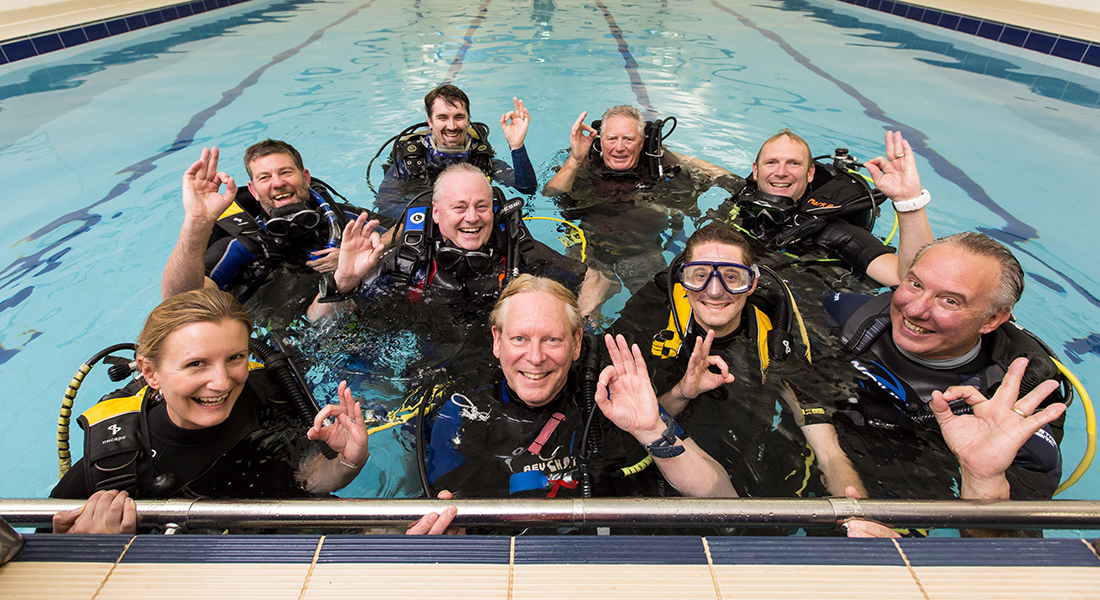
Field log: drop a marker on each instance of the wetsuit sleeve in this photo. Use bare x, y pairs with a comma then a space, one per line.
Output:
840, 306
857, 246
1037, 468
224, 258
390, 201
525, 180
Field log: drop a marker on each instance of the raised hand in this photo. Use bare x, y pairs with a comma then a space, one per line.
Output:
581, 137
699, 379
360, 248
896, 175
348, 434
515, 123
202, 202
625, 394
986, 442
107, 511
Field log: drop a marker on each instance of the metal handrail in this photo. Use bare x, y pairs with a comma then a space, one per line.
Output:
634, 512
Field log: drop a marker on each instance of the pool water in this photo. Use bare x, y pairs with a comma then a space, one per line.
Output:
95, 140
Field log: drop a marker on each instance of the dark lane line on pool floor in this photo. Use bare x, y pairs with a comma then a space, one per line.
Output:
1013, 233
467, 42
631, 65
23, 266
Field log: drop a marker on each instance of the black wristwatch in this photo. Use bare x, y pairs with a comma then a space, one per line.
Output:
328, 290
665, 446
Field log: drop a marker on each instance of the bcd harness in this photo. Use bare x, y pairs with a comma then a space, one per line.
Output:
838, 191
412, 145
658, 165
420, 237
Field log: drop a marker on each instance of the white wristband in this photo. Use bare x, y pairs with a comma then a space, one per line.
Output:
914, 204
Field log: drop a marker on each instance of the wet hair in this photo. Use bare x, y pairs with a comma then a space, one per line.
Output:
1011, 287
626, 110
450, 94
204, 305
529, 283
454, 169
269, 146
787, 133
722, 234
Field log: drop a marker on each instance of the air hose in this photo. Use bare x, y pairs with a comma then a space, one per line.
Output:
64, 457
279, 366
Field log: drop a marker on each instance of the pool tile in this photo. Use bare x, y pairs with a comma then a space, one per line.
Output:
117, 27
886, 6
3, 61
1069, 49
1040, 42
900, 8
136, 22
990, 30
96, 31
198, 7
169, 14
1013, 36
932, 17
18, 50
49, 42
949, 21
153, 18
968, 25
1092, 56
73, 37
915, 13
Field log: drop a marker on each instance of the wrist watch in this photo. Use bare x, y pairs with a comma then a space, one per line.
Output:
914, 204
328, 290
665, 446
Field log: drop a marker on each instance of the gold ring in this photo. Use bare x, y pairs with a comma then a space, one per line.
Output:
902, 155
1019, 412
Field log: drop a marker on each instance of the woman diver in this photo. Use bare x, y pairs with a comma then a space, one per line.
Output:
202, 422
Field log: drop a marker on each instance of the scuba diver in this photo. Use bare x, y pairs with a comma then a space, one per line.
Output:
462, 248
530, 433
727, 373
629, 192
236, 241
949, 325
202, 421
794, 203
419, 155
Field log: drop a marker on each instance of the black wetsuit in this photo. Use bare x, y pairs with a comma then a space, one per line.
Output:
483, 445
252, 454
629, 219
889, 433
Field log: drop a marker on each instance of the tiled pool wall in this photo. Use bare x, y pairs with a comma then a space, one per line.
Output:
1061, 46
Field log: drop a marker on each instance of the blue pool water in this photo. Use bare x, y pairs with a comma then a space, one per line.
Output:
94, 141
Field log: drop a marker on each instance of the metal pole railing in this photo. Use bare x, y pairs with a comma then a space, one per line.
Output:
637, 512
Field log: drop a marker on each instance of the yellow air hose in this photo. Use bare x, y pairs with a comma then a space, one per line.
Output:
64, 457
1090, 429
584, 241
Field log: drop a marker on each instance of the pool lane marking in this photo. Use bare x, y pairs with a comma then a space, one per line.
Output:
111, 571
1014, 231
631, 65
710, 566
912, 573
312, 564
24, 264
467, 42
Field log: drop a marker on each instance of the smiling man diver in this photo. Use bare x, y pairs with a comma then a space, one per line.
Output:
418, 157
235, 242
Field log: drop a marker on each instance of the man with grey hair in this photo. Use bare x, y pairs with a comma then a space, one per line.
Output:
460, 248
940, 346
630, 193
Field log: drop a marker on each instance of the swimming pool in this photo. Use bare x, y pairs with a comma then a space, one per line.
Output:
95, 139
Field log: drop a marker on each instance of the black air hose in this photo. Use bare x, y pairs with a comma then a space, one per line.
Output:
279, 366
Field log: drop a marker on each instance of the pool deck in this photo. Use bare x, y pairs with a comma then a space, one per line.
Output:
363, 566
